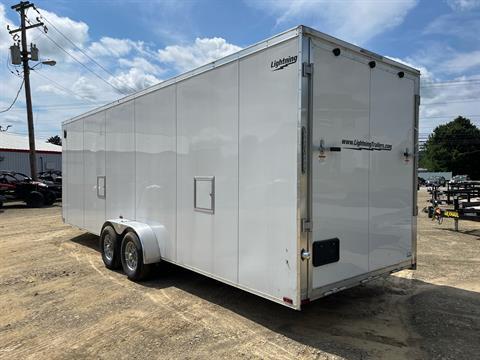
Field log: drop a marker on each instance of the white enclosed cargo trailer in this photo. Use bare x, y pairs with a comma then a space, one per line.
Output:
287, 169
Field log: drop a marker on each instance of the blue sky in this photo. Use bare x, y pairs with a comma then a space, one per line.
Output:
140, 43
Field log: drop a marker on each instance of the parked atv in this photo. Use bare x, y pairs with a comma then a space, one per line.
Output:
20, 187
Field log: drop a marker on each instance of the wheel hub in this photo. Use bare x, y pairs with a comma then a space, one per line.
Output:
131, 256
108, 247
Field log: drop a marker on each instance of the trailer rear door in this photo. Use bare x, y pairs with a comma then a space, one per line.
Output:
341, 102
362, 166
391, 189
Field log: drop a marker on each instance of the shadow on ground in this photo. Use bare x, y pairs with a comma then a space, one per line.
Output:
22, 205
473, 232
88, 240
399, 313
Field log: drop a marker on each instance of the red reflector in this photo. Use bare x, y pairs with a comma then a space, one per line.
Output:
305, 301
288, 300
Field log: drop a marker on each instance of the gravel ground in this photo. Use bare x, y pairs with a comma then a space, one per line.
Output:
58, 301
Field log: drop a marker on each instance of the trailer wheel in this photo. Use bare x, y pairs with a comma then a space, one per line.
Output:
132, 258
35, 199
110, 248
49, 198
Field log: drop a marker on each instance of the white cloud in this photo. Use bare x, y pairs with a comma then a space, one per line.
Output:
76, 31
5, 38
141, 63
426, 75
108, 46
462, 62
463, 5
86, 88
68, 89
442, 103
354, 21
463, 25
49, 88
134, 79
201, 52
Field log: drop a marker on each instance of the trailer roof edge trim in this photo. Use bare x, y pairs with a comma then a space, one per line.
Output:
259, 46
310, 31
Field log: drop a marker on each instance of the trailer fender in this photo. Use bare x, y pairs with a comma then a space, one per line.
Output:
146, 235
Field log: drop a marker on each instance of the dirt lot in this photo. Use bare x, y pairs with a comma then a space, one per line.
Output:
58, 301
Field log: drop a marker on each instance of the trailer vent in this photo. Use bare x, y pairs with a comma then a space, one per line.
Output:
326, 252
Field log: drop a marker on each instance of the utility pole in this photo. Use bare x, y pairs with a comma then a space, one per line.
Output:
21, 9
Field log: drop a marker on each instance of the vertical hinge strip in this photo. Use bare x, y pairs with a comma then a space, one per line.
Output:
304, 145
306, 225
307, 69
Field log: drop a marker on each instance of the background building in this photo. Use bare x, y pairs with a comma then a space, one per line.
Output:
14, 151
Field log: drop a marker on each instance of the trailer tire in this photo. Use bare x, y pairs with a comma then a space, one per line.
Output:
132, 258
110, 248
50, 198
35, 199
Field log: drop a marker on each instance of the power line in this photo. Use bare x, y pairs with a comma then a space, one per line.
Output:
446, 116
10, 69
80, 49
61, 107
452, 102
454, 81
82, 64
14, 100
451, 83
61, 87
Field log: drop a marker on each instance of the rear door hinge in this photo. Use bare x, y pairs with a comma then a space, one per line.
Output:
417, 100
306, 225
307, 69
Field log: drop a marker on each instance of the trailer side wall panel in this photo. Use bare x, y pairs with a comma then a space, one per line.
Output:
207, 151
155, 166
94, 168
74, 169
268, 178
120, 161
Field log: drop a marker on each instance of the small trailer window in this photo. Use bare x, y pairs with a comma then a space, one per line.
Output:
204, 194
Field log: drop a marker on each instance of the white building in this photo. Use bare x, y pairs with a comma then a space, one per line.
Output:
14, 154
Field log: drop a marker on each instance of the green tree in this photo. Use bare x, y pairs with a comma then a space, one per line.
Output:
55, 140
454, 147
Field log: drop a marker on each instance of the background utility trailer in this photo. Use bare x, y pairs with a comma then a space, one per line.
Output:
286, 169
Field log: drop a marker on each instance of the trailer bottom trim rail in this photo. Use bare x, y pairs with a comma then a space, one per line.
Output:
361, 279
